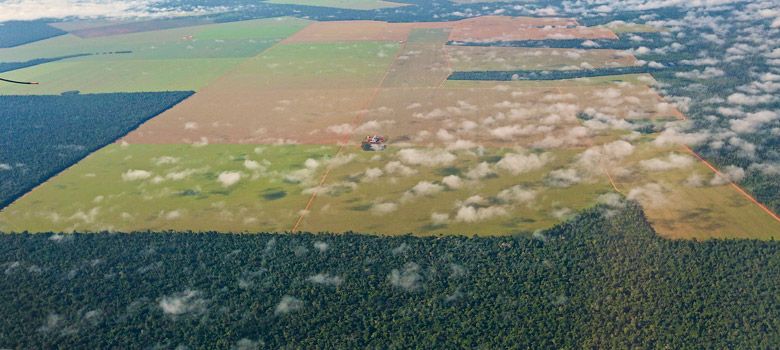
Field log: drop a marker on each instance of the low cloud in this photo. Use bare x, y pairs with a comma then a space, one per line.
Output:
728, 173
287, 305
228, 178
325, 279
408, 278
671, 162
515, 163
429, 157
189, 301
516, 194
36, 9
651, 195
134, 175
383, 208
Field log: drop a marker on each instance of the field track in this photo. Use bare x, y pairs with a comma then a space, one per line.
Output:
347, 137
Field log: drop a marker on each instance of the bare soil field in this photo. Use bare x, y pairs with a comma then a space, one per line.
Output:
267, 116
419, 65
501, 28
341, 31
478, 58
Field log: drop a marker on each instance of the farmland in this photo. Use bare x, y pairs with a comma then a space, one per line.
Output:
228, 188
269, 141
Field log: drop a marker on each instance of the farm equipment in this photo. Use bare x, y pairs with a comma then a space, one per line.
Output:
373, 143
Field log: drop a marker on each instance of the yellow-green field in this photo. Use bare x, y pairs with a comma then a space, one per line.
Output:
183, 187
258, 147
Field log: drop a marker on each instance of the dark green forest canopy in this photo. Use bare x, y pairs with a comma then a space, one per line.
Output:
602, 280
43, 135
15, 33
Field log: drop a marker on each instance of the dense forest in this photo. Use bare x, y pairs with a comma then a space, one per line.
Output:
15, 33
601, 280
42, 135
9, 66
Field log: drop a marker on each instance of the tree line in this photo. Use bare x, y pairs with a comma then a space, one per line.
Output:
601, 280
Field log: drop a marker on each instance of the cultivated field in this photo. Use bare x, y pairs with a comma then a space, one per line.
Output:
270, 141
344, 31
347, 4
481, 58
257, 116
119, 76
685, 199
138, 187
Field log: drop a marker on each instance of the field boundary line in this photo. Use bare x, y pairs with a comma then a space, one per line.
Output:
731, 182
449, 67
347, 137
664, 101
590, 142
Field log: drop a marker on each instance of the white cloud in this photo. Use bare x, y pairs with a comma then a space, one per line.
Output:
468, 213
728, 173
228, 178
408, 279
671, 162
326, 279
288, 304
452, 181
431, 157
36, 9
383, 208
132, 175
515, 163
516, 194
189, 301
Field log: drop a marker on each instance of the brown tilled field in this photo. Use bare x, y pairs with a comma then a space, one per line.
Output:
265, 116
481, 58
419, 65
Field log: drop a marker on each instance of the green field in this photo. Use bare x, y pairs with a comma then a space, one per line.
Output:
239, 39
346, 4
683, 203
119, 76
281, 27
330, 65
357, 197
181, 190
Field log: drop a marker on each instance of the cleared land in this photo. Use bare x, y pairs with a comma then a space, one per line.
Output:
119, 76
458, 117
684, 198
463, 156
346, 4
499, 28
272, 116
308, 66
341, 31
479, 58
419, 65
460, 192
138, 187
240, 39
635, 79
